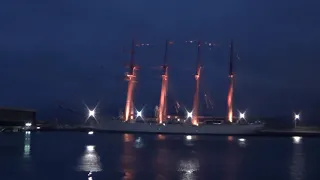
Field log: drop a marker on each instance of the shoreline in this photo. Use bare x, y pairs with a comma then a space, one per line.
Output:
263, 132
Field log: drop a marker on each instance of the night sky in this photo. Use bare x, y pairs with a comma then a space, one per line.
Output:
68, 51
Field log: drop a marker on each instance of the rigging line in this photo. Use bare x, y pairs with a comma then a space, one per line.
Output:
206, 90
172, 94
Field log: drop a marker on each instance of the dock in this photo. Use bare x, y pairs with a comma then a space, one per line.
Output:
298, 131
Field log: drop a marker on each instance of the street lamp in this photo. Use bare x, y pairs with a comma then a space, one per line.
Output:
296, 118
242, 116
189, 114
91, 113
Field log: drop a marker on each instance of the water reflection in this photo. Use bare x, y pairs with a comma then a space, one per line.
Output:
163, 161
27, 144
242, 142
232, 160
161, 137
297, 168
230, 138
128, 158
128, 137
297, 139
90, 161
189, 140
188, 168
138, 143
90, 176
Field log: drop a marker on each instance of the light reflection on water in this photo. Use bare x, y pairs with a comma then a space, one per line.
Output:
27, 145
90, 160
242, 142
188, 168
160, 157
297, 168
230, 138
27, 155
138, 143
231, 161
190, 140
161, 137
128, 137
128, 157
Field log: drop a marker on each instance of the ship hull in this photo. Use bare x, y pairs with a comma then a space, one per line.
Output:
221, 129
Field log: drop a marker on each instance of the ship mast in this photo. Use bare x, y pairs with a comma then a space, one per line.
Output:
231, 86
131, 78
195, 108
162, 114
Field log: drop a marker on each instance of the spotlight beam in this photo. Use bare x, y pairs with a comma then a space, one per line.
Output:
230, 93
162, 112
196, 94
131, 78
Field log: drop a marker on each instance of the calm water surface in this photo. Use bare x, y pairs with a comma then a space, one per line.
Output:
102, 156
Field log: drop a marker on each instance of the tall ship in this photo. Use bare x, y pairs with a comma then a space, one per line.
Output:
132, 120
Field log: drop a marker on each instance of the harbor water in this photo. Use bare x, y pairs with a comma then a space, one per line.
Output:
102, 156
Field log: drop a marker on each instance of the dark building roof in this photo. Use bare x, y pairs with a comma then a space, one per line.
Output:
17, 109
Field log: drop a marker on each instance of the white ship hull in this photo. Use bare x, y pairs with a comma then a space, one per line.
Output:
220, 129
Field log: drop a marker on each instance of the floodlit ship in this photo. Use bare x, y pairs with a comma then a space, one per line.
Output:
214, 128
133, 121
174, 124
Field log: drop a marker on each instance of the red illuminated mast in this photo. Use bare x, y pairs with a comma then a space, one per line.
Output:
131, 78
195, 108
231, 87
164, 88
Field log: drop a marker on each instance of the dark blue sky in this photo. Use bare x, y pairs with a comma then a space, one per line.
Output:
54, 51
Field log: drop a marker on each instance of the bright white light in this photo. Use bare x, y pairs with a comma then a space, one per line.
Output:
27, 144
89, 161
188, 167
242, 142
242, 115
90, 132
188, 137
189, 114
90, 148
296, 116
28, 124
38, 127
139, 113
164, 124
92, 113
297, 139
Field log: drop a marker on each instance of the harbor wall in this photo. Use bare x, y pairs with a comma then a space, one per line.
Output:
16, 117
